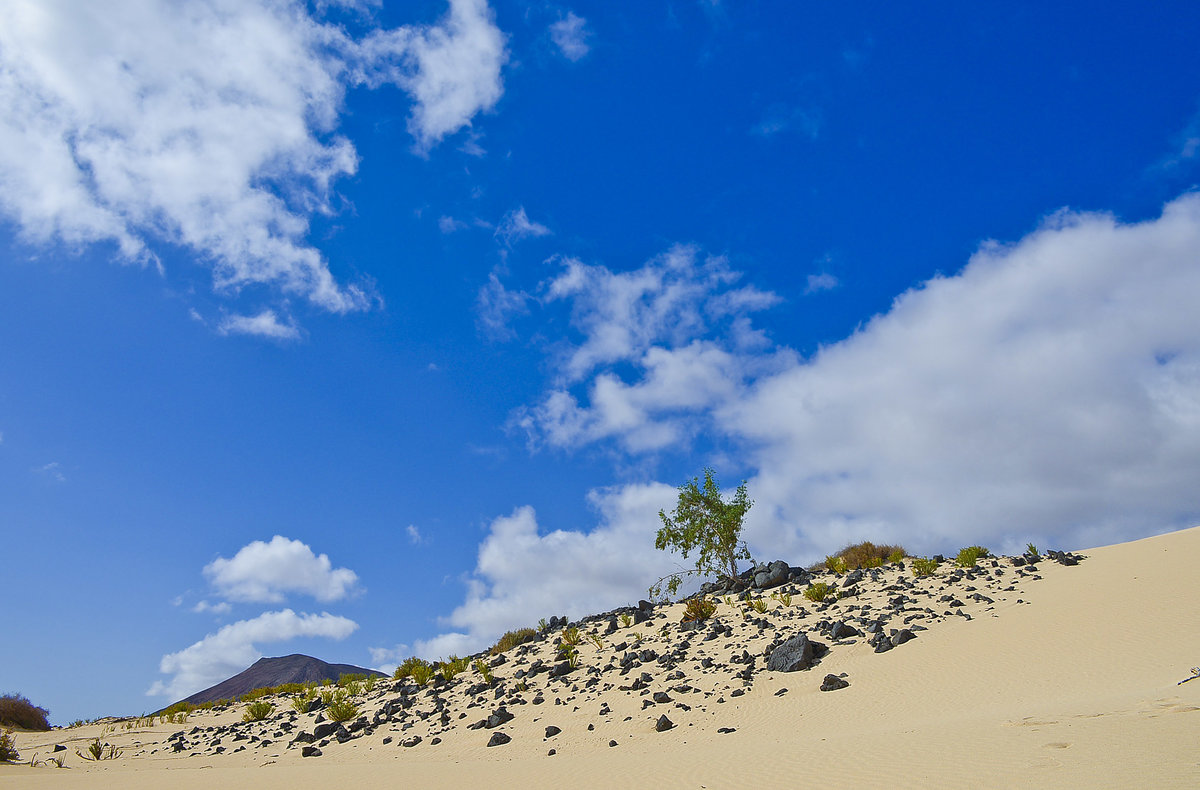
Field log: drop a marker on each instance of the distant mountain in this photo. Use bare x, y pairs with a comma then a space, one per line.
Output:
274, 671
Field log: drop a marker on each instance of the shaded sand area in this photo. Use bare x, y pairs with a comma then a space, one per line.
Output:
1053, 677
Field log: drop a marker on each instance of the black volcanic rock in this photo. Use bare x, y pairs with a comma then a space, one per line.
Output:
274, 671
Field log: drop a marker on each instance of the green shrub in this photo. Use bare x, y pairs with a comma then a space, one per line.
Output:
897, 556
97, 751
868, 555
369, 683
924, 566
340, 708
835, 564
406, 667
8, 747
597, 640
626, 620
16, 711
421, 672
513, 638
817, 592
759, 605
353, 688
699, 609
572, 636
350, 677
302, 701
257, 710
484, 671
967, 557
1032, 551
453, 666
785, 599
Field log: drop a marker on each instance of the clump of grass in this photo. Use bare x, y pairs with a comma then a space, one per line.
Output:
968, 556
626, 620
897, 556
543, 626
8, 747
817, 592
569, 653
513, 638
258, 710
304, 700
406, 667
597, 640
728, 600
421, 673
785, 599
484, 671
369, 683
453, 666
1032, 551
924, 566
97, 751
353, 688
572, 636
698, 610
870, 555
759, 605
17, 711
836, 564
340, 708
348, 678
637, 637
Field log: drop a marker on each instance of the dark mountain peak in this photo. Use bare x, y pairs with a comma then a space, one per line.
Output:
266, 671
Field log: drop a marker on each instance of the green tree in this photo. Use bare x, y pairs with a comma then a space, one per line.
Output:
706, 524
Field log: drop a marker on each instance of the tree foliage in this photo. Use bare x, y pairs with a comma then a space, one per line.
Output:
704, 523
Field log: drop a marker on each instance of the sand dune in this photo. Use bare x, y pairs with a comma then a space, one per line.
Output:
1066, 677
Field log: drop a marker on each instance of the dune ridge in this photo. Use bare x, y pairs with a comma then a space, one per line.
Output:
1054, 677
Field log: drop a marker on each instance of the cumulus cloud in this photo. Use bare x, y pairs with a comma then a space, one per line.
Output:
268, 571
264, 324
202, 607
522, 575
386, 659
211, 125
680, 322
1050, 391
570, 35
234, 647
821, 282
516, 225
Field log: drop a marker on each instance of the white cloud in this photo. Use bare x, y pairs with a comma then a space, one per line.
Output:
386, 659
650, 320
516, 225
52, 471
414, 535
821, 282
234, 647
570, 35
1050, 391
448, 225
202, 607
522, 576
265, 324
496, 305
211, 125
268, 571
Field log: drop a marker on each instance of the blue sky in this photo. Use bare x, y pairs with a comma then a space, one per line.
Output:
371, 329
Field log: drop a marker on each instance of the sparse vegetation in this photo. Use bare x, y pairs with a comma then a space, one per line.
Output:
406, 667
759, 605
924, 566
484, 671
699, 609
572, 636
340, 708
626, 620
1032, 551
257, 710
17, 711
97, 751
513, 638
597, 640
453, 666
836, 564
785, 599
344, 681
817, 592
421, 672
704, 523
869, 555
302, 701
970, 555
569, 653
897, 556
369, 683
8, 747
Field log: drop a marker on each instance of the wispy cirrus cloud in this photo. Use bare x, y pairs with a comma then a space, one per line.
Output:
570, 35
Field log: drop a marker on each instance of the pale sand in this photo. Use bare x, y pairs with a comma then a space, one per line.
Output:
1076, 687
